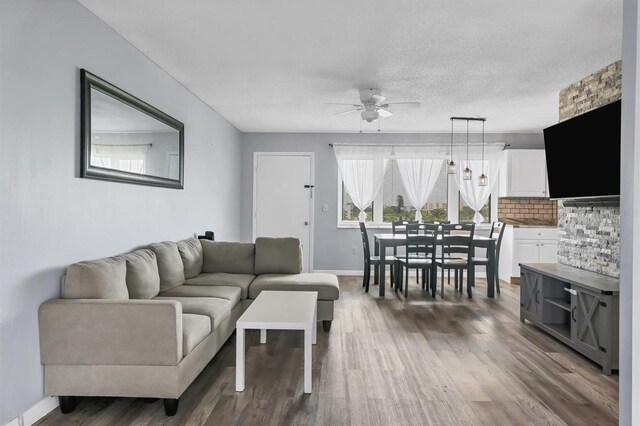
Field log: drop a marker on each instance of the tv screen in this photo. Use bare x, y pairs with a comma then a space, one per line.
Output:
583, 154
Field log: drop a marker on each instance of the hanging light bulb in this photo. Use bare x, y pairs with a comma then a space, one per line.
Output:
451, 166
483, 180
466, 175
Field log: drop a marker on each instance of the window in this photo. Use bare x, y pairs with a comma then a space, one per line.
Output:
350, 212
466, 213
396, 205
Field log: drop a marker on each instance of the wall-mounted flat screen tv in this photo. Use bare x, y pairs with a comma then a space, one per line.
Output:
583, 155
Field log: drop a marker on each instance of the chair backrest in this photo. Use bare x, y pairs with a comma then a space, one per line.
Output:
497, 231
457, 238
365, 242
399, 226
415, 241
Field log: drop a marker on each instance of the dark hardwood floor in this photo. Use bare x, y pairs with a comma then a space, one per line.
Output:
390, 361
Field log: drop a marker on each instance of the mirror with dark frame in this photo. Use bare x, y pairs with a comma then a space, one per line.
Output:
125, 139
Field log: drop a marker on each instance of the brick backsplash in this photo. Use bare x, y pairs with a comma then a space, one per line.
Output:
589, 237
534, 211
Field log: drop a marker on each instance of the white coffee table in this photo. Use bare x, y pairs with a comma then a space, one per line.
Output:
279, 310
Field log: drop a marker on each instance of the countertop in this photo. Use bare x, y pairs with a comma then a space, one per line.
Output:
529, 223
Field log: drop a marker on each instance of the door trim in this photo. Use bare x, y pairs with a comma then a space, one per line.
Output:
312, 172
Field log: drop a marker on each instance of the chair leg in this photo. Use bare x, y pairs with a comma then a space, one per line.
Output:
391, 275
497, 278
448, 276
471, 275
455, 278
367, 278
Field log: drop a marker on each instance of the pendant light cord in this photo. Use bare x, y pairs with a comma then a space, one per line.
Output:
483, 148
451, 148
467, 144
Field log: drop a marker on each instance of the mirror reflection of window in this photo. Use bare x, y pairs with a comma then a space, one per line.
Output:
126, 139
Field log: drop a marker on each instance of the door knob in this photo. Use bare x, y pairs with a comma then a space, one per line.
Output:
306, 223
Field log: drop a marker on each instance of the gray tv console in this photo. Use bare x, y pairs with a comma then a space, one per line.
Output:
577, 307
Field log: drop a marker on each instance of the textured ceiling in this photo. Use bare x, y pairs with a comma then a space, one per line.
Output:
271, 66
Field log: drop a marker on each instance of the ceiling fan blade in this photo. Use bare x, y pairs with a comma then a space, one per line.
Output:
407, 104
350, 111
351, 105
378, 99
384, 113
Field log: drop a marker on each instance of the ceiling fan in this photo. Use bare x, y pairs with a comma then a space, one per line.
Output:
373, 105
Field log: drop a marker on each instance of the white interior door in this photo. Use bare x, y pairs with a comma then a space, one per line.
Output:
283, 206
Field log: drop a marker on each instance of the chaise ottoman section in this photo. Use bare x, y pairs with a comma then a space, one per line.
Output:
325, 284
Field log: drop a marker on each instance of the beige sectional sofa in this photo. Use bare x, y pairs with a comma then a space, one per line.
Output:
146, 323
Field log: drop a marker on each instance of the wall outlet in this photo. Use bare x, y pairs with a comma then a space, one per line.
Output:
325, 208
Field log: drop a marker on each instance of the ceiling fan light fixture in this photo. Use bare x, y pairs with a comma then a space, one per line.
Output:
370, 115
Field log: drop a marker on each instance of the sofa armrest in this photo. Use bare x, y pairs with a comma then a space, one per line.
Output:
110, 332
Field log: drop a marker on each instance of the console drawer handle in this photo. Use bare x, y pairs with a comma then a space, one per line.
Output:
571, 291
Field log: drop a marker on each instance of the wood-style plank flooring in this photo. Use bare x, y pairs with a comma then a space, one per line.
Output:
393, 362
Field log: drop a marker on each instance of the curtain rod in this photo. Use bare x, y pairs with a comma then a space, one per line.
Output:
446, 145
123, 144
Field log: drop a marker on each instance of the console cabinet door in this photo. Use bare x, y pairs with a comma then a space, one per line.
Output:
530, 297
587, 317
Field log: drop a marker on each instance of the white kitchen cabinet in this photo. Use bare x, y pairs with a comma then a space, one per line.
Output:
526, 245
525, 173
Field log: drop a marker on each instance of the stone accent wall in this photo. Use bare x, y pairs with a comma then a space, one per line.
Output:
528, 211
589, 237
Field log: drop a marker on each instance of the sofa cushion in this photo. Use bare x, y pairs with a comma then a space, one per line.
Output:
191, 254
232, 294
278, 256
220, 278
169, 264
325, 284
143, 280
232, 258
96, 279
194, 329
216, 309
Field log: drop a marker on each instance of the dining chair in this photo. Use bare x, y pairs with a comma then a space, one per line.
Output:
456, 253
374, 260
420, 254
400, 227
497, 231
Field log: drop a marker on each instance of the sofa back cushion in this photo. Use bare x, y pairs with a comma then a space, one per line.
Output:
96, 279
232, 258
170, 265
143, 279
191, 254
278, 256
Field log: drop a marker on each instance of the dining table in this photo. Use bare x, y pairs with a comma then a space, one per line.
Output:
383, 241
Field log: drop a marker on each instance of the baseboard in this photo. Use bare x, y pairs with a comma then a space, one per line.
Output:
358, 273
344, 273
35, 413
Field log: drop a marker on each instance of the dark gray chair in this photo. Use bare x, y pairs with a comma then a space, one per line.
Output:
374, 260
457, 241
420, 254
497, 231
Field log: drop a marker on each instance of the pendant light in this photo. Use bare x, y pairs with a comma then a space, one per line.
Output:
483, 180
451, 166
466, 174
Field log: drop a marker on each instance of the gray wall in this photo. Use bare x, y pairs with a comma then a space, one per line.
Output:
50, 217
333, 246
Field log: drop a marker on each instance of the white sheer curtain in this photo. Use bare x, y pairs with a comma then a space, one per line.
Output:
128, 158
362, 169
419, 168
474, 195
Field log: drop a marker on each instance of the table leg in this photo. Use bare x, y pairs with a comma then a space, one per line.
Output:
308, 337
239, 359
315, 325
263, 336
491, 274
376, 252
383, 252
